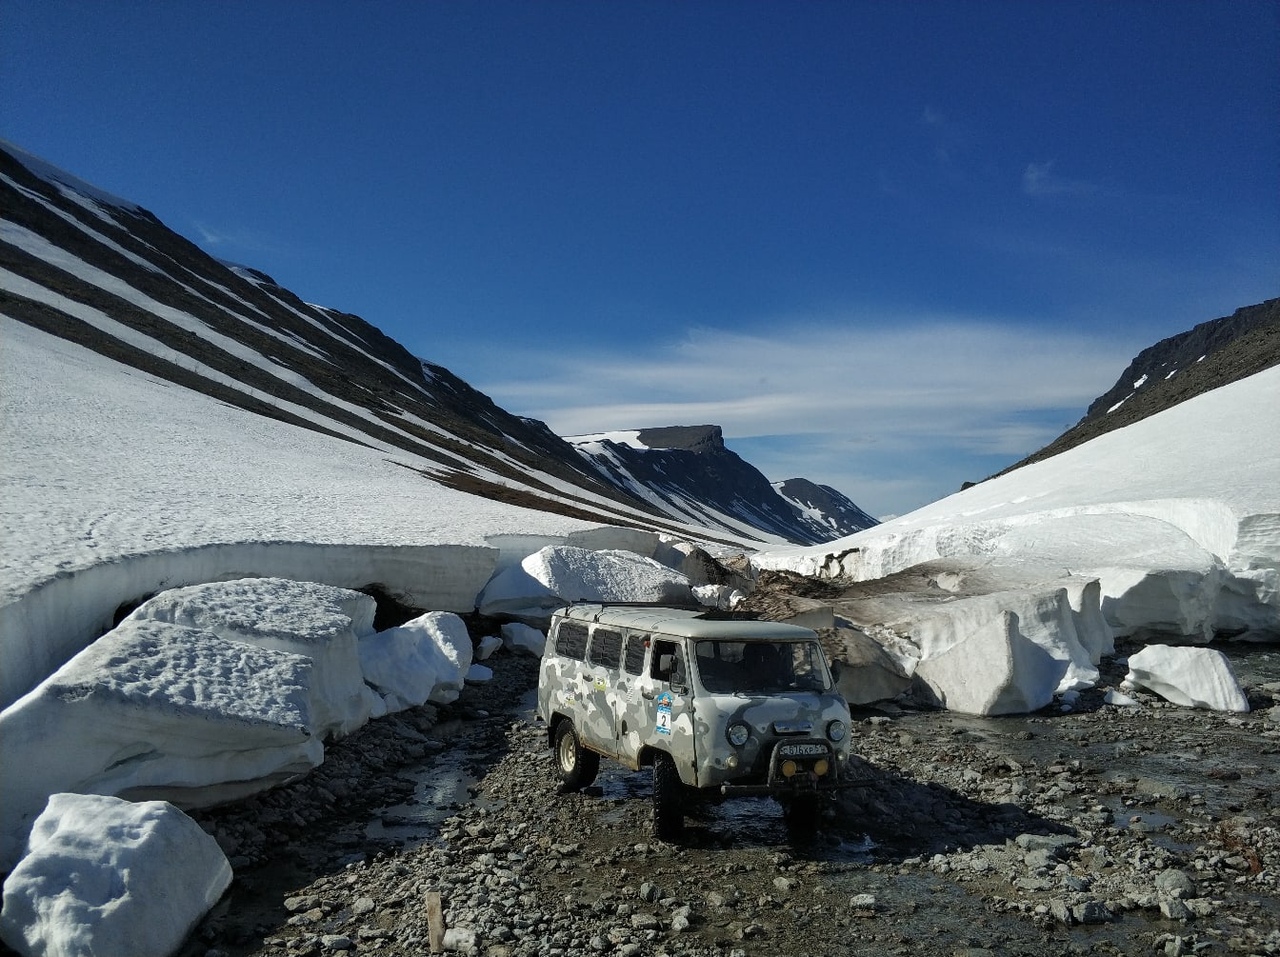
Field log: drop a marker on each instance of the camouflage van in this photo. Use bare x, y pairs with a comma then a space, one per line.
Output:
716, 705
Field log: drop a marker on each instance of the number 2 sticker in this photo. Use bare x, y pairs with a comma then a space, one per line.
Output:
663, 725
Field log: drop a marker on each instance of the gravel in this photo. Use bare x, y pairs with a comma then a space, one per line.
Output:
1148, 830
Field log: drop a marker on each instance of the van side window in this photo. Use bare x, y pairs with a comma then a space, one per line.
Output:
571, 640
634, 663
667, 664
606, 648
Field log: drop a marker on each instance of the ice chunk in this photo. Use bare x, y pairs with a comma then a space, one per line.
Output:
867, 672
106, 876
1002, 653
159, 711
558, 574
478, 674
523, 638
487, 646
1191, 677
423, 660
305, 618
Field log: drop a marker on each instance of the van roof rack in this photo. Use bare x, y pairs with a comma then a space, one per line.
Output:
705, 613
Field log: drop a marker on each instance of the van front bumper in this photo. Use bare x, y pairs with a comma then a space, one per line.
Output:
798, 768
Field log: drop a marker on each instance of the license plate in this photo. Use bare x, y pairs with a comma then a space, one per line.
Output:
802, 750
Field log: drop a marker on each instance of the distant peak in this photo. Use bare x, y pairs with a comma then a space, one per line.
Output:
694, 438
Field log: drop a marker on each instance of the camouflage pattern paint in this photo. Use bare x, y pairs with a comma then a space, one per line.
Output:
629, 716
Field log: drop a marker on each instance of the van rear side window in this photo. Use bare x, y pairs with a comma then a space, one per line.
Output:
606, 648
634, 664
571, 640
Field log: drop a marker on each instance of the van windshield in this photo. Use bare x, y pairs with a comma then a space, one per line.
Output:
761, 667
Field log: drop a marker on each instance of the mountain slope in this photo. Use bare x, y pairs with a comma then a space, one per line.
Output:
106, 274
687, 473
1176, 369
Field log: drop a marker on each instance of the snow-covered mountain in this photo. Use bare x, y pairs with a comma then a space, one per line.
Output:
1181, 367
824, 507
99, 271
686, 472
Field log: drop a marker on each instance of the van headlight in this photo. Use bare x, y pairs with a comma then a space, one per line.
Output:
836, 730
738, 734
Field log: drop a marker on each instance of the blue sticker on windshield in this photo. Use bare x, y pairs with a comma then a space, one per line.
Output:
664, 714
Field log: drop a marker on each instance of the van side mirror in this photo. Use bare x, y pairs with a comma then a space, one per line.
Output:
836, 668
665, 664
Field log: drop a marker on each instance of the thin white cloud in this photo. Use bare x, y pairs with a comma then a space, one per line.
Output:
243, 240
893, 383
1039, 179
893, 413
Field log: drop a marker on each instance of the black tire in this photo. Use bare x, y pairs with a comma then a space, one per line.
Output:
578, 767
668, 799
802, 814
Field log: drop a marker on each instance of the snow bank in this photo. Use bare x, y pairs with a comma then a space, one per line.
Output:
422, 660
1191, 677
156, 710
559, 574
1177, 516
105, 876
45, 626
319, 621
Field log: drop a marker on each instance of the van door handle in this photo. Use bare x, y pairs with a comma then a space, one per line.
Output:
646, 693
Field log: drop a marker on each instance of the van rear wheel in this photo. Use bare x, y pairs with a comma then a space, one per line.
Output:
668, 799
578, 767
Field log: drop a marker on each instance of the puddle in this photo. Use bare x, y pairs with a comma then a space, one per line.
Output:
441, 787
1129, 817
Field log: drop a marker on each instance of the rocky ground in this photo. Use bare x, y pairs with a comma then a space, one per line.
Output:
1153, 830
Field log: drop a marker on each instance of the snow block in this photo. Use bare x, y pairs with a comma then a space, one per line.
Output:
305, 618
520, 637
716, 596
867, 672
487, 646
560, 574
154, 710
106, 876
1191, 677
1005, 653
423, 660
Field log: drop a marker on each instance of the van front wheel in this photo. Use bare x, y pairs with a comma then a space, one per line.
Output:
577, 766
668, 799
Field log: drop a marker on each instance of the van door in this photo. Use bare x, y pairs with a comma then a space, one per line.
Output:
600, 690
633, 712
669, 704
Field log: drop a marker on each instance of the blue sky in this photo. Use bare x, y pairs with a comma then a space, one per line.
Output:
889, 247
